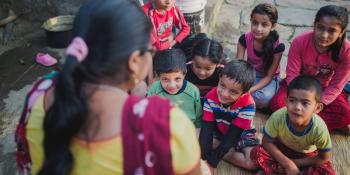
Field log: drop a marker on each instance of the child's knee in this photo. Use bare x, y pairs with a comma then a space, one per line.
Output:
262, 99
250, 165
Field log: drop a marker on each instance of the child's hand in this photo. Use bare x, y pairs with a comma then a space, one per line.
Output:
172, 43
163, 39
171, 40
292, 169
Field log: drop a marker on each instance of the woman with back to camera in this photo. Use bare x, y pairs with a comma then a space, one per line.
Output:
81, 120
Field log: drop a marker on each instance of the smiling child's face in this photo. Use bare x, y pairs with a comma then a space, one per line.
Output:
228, 90
172, 82
203, 67
261, 26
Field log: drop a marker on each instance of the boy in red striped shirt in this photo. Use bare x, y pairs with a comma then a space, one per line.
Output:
227, 131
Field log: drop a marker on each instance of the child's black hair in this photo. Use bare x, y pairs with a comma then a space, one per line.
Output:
241, 72
201, 45
341, 14
209, 48
188, 44
168, 61
268, 44
306, 82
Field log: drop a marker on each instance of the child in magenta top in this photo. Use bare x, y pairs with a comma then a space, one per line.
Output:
325, 54
164, 15
264, 52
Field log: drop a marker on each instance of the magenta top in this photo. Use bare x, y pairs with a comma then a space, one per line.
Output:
303, 58
254, 58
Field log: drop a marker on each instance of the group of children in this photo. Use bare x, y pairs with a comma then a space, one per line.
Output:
221, 99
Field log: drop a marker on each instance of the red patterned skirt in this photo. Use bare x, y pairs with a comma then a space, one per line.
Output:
269, 165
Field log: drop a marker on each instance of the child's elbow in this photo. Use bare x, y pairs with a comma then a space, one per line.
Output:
324, 158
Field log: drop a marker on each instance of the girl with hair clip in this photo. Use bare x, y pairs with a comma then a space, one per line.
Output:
264, 52
205, 63
325, 54
82, 120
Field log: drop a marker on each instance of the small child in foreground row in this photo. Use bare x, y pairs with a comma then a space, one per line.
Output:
170, 68
227, 131
296, 140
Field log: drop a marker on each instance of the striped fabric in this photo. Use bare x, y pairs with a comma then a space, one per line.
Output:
240, 114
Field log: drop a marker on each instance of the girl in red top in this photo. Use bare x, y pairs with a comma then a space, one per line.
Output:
164, 15
325, 54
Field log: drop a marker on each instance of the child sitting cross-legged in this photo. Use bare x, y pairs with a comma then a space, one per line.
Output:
170, 68
296, 140
227, 131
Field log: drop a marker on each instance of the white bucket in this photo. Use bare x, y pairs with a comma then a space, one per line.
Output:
191, 6
193, 11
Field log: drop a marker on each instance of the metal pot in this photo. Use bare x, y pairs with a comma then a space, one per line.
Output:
59, 31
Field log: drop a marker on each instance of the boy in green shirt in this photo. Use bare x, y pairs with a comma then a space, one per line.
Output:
170, 68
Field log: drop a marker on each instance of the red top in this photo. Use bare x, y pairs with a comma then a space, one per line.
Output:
303, 58
240, 113
163, 24
145, 149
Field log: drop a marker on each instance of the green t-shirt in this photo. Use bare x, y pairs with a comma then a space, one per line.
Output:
314, 137
188, 100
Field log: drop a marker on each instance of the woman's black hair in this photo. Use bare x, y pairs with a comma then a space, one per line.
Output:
341, 14
168, 61
268, 44
111, 39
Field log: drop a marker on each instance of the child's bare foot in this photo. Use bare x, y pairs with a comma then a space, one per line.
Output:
345, 130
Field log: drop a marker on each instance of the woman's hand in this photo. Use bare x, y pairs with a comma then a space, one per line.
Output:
172, 43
